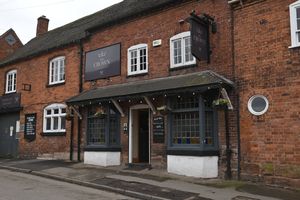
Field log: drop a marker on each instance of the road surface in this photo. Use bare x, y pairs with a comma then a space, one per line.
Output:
19, 186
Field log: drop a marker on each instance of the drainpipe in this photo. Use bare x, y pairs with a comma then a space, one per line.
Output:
71, 139
236, 91
80, 90
228, 150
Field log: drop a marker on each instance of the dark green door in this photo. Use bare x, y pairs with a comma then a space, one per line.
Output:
8, 141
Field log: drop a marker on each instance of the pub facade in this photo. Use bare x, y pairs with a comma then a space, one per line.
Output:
182, 85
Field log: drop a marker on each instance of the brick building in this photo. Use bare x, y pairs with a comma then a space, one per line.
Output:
9, 42
124, 78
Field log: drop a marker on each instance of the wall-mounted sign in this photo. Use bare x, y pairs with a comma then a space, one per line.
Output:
30, 127
10, 101
158, 129
103, 63
199, 38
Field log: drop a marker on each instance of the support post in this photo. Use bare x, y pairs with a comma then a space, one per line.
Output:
117, 105
150, 104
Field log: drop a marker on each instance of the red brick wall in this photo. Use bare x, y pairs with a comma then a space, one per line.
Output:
266, 65
5, 48
35, 72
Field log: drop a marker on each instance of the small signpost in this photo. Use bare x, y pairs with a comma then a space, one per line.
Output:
30, 127
158, 129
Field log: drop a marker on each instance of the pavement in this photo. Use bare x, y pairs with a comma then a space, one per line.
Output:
144, 183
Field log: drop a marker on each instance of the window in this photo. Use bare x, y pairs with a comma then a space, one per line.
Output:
103, 126
138, 59
55, 118
193, 123
11, 81
57, 70
180, 50
258, 104
295, 23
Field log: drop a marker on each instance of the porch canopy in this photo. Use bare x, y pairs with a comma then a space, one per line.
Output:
172, 84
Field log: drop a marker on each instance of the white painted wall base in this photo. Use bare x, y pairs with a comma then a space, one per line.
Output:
104, 159
200, 167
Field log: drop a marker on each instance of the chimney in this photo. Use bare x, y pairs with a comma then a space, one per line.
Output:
42, 25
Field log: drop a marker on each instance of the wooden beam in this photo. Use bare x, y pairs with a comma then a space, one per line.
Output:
150, 104
77, 112
225, 96
117, 105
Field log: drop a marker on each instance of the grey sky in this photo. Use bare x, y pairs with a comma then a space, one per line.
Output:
21, 15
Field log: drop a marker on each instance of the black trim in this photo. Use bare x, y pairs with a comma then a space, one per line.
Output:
182, 67
137, 75
184, 152
101, 149
10, 110
54, 134
56, 84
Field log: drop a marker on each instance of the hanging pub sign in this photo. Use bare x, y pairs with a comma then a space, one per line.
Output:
103, 63
30, 127
200, 47
9, 102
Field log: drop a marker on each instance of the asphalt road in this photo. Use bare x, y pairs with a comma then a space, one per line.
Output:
18, 186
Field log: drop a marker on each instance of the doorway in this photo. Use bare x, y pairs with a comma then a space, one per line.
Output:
139, 147
8, 140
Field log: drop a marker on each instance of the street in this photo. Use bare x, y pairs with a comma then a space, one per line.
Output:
19, 186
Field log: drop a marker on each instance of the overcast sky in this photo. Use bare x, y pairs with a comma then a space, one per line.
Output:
21, 15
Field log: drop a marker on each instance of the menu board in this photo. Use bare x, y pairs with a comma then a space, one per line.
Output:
30, 127
158, 129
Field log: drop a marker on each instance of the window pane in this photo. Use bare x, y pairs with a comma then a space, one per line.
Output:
188, 54
55, 123
177, 51
298, 24
113, 131
56, 111
48, 124
298, 12
56, 71
133, 60
48, 112
63, 110
63, 123
185, 102
143, 59
186, 128
96, 130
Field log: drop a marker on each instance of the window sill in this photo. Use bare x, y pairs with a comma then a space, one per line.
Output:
294, 47
191, 152
9, 93
102, 148
55, 84
136, 75
182, 67
53, 134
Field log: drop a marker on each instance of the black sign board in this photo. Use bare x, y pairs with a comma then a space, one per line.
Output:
158, 129
30, 127
10, 101
103, 63
200, 38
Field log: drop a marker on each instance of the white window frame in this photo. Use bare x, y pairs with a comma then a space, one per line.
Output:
53, 107
293, 23
181, 37
13, 83
136, 48
57, 59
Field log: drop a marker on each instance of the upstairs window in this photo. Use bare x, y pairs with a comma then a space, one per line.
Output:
180, 50
11, 82
57, 70
295, 23
138, 59
55, 118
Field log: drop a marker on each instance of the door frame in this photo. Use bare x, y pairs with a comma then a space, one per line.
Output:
130, 136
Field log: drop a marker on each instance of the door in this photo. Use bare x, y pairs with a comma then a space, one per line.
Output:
143, 136
8, 141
